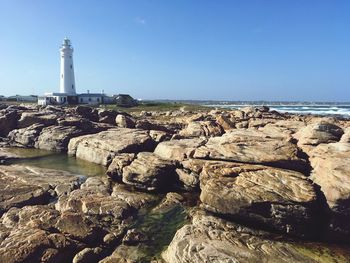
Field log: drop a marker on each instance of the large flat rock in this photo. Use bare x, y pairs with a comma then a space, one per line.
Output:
210, 239
56, 138
266, 197
253, 146
101, 147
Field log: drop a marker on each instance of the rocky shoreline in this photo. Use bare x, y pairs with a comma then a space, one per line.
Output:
248, 185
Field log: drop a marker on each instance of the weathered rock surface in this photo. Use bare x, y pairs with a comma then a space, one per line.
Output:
319, 132
8, 122
209, 239
107, 116
287, 127
147, 125
84, 221
274, 198
134, 199
88, 255
178, 149
149, 172
226, 122
78, 122
253, 146
346, 136
159, 136
86, 112
189, 179
115, 169
26, 136
29, 237
124, 121
56, 138
23, 185
29, 118
170, 201
93, 198
331, 170
202, 128
102, 147
97, 215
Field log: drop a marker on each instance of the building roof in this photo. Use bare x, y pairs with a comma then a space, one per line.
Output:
122, 95
91, 95
58, 94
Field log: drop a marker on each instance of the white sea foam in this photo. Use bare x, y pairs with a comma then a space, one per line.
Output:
343, 110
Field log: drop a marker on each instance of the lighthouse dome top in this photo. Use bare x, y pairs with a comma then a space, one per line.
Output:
66, 42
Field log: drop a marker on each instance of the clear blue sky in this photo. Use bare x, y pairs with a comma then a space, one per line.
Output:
181, 49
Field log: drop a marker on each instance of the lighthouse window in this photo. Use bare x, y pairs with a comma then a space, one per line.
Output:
71, 66
72, 86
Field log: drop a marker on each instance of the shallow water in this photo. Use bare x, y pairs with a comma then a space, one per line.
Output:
53, 160
160, 228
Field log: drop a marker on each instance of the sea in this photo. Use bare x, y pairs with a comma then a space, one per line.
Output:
323, 109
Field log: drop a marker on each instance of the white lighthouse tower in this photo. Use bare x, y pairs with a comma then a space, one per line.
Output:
67, 80
67, 94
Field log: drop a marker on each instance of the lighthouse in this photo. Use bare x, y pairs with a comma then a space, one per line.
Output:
67, 94
67, 80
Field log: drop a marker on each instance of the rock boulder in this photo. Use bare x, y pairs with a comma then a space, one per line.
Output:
102, 147
253, 146
149, 172
178, 149
274, 198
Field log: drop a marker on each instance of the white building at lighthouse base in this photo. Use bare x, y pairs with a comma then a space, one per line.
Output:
54, 98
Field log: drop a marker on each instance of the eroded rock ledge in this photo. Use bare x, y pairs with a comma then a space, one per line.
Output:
209, 239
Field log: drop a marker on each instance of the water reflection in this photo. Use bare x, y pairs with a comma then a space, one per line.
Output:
58, 161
